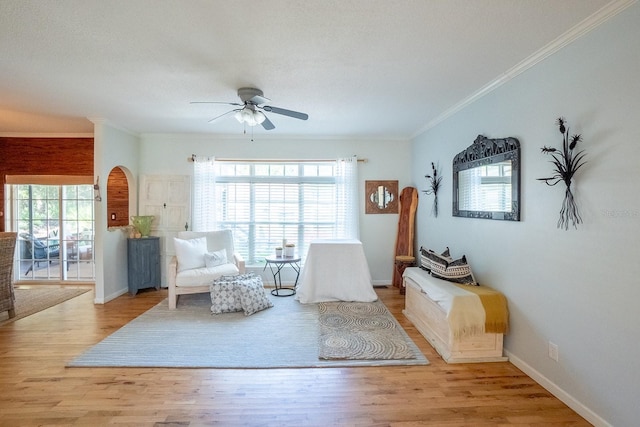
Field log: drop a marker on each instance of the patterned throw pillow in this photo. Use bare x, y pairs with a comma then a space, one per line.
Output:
254, 297
427, 257
224, 295
242, 292
457, 271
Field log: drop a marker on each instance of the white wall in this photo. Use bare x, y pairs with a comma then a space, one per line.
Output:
576, 288
386, 160
112, 147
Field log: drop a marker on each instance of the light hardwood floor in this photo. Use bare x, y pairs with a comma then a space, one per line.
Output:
37, 389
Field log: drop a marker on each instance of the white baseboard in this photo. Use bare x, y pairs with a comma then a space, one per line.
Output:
111, 296
554, 389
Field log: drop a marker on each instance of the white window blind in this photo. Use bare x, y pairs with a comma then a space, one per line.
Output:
264, 202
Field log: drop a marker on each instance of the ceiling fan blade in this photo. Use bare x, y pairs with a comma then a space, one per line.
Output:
267, 124
216, 102
252, 95
259, 100
224, 114
290, 113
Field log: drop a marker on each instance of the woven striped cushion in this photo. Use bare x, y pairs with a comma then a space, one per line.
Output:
457, 271
427, 257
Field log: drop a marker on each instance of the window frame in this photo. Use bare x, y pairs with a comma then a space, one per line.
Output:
254, 249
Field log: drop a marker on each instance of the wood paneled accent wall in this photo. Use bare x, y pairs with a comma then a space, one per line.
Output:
43, 156
117, 198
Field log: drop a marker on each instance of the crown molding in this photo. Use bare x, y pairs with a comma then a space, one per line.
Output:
100, 121
605, 13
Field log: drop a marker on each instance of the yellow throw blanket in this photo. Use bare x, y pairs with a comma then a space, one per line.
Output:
495, 308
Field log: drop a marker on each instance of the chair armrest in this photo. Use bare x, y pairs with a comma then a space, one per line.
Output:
239, 262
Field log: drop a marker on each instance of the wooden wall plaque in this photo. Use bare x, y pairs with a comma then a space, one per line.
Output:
381, 197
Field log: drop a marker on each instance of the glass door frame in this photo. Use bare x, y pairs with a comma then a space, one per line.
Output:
64, 243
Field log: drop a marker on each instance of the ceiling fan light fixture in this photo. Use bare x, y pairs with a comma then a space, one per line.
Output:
250, 116
259, 117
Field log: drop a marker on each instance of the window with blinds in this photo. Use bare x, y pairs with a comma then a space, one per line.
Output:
266, 202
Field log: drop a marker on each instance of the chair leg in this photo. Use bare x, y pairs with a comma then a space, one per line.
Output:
173, 298
12, 313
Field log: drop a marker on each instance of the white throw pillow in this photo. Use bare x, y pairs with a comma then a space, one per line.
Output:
214, 259
190, 253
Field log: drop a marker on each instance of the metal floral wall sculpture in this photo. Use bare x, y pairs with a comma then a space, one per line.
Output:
434, 185
566, 163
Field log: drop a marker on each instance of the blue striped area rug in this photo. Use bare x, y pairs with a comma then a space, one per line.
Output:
284, 336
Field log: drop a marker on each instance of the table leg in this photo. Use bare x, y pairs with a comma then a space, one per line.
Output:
399, 268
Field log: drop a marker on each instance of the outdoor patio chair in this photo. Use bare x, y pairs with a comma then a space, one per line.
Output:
38, 250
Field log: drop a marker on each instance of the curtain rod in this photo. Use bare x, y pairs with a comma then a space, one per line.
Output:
193, 158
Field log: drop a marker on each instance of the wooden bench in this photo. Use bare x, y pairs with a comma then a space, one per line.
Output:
431, 319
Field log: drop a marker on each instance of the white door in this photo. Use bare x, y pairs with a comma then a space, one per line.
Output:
168, 199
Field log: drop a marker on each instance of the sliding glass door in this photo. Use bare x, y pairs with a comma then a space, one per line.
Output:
55, 225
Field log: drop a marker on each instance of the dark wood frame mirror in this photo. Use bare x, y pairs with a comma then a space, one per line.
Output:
500, 155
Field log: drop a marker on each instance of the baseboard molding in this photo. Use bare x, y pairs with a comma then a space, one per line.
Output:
110, 297
558, 392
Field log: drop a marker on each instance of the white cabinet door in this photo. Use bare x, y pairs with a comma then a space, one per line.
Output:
168, 199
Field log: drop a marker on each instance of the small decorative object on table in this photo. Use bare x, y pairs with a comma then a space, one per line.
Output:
566, 162
278, 252
142, 224
434, 185
289, 250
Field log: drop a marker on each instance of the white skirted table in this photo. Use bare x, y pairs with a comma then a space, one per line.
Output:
335, 270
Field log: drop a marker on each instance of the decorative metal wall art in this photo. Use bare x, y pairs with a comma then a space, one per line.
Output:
566, 163
434, 181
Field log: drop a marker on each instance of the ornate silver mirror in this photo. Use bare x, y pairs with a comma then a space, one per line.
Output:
486, 180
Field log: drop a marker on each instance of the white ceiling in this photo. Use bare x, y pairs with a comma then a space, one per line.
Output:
359, 68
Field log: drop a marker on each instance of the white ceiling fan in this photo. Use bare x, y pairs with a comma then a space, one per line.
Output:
252, 109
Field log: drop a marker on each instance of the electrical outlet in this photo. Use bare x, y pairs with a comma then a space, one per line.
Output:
553, 351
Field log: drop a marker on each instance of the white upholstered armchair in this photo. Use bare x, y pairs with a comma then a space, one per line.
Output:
201, 257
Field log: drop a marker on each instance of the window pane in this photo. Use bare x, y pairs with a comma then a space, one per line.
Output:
310, 170
291, 170
85, 210
262, 170
52, 191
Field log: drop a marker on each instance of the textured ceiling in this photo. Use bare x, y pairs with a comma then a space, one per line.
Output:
363, 68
